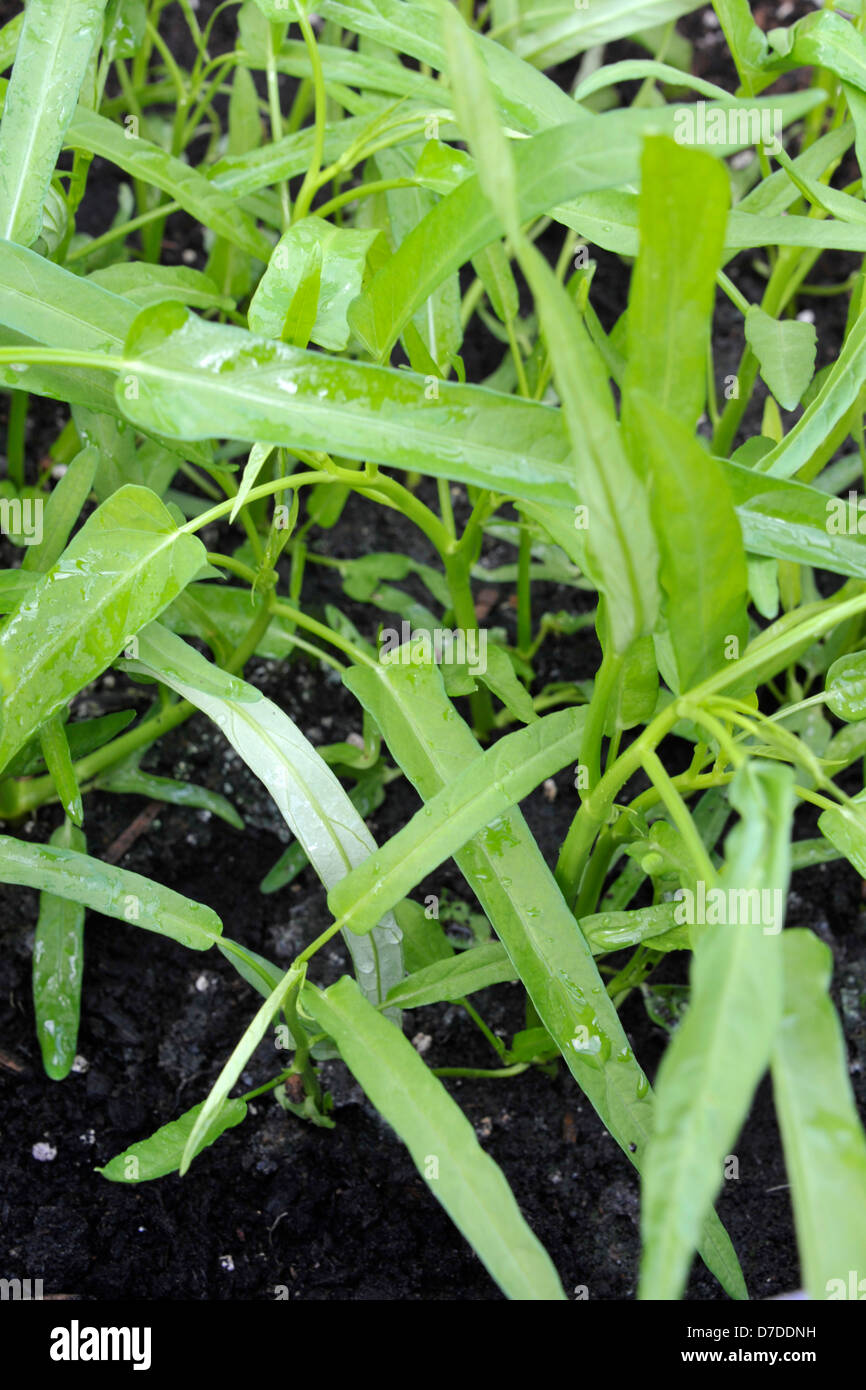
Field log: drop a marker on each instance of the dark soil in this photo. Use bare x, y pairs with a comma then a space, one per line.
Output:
278, 1208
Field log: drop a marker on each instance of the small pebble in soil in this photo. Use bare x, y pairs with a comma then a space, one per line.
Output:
549, 789
227, 1263
44, 1153
203, 983
484, 1128
421, 1042
88, 1137
81, 1064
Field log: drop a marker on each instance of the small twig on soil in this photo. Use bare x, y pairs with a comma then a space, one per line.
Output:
127, 839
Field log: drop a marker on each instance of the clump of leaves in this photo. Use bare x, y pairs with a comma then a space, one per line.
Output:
313, 355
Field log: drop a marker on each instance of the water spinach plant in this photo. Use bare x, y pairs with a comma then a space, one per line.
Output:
367, 191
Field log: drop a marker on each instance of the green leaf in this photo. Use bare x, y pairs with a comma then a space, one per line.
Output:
734, 1013
243, 1051
746, 41
621, 548
555, 31
442, 1142
846, 687
527, 98
58, 964
482, 795
438, 321
141, 159
14, 584
424, 939
454, 977
838, 394
122, 568
475, 106
611, 931
520, 897
550, 168
54, 50
300, 316
785, 349
153, 284
113, 892
703, 565
63, 510
129, 779
161, 1153
821, 40
41, 303
366, 797
556, 172
58, 760
501, 679
197, 380
823, 1139
125, 25
672, 293
308, 795
343, 252
83, 737
845, 828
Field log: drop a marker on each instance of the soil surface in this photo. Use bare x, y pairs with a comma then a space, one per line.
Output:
278, 1208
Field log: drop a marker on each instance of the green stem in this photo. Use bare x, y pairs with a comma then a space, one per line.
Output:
311, 178
680, 816
15, 436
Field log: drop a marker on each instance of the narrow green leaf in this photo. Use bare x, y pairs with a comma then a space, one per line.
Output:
83, 737
482, 795
58, 760
672, 293
703, 564
366, 796
58, 964
526, 97
475, 106
723, 1046
442, 1142
131, 780
621, 547
845, 828
555, 32
550, 169
50, 64
300, 317
152, 284
571, 172
308, 795
197, 379
243, 1051
823, 1139
113, 892
122, 568
62, 511
141, 159
161, 1154
454, 977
